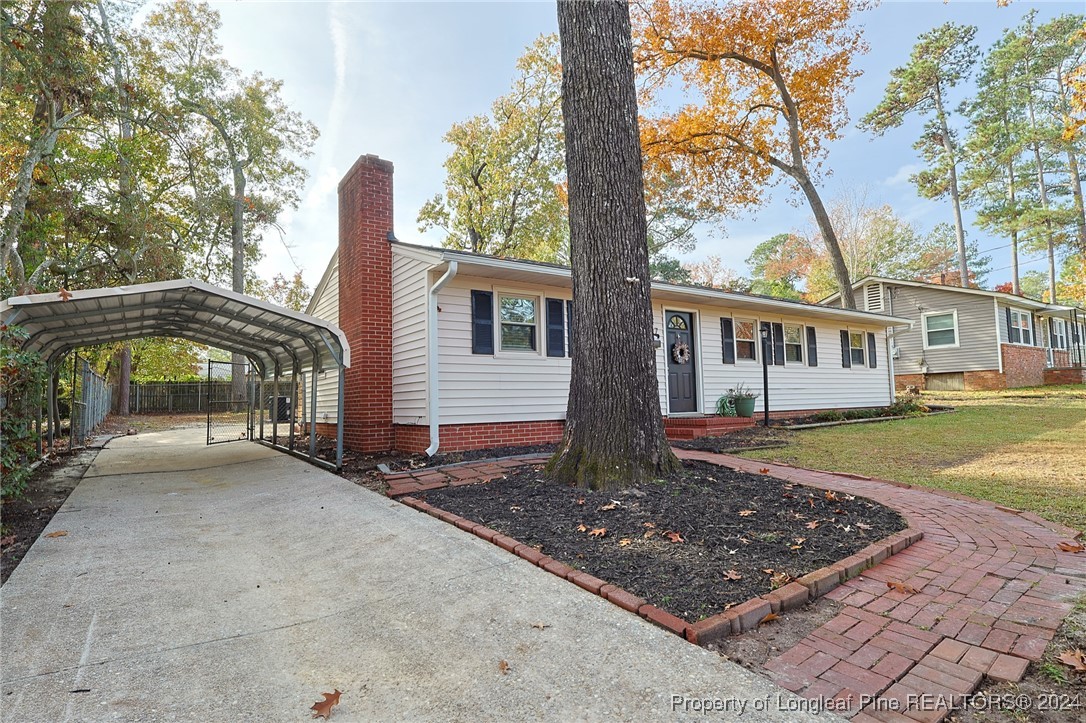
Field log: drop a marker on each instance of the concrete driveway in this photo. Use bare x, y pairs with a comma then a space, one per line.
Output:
234, 583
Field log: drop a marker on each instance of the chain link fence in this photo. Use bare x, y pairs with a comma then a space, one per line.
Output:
92, 398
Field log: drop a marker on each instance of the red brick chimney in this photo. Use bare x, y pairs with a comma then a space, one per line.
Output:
365, 302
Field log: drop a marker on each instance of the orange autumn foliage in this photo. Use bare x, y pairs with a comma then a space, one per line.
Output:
754, 68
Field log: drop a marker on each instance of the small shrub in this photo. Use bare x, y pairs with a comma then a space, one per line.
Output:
907, 405
863, 413
830, 415
22, 379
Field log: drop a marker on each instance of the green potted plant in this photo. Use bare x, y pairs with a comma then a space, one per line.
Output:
741, 399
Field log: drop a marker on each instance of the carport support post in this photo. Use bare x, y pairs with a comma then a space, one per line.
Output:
294, 372
260, 403
275, 406
312, 378
339, 421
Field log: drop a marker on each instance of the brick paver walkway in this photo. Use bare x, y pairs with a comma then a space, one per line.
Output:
991, 588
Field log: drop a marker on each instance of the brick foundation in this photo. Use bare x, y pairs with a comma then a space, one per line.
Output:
1066, 375
365, 303
464, 437
986, 380
1023, 366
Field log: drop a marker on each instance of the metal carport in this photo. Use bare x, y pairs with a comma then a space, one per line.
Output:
272, 338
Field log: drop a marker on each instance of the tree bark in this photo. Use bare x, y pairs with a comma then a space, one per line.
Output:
124, 376
829, 238
1043, 188
614, 434
955, 195
1072, 168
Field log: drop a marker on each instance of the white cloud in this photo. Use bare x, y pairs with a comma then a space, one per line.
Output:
903, 174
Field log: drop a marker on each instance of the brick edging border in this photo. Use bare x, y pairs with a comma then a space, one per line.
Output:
738, 619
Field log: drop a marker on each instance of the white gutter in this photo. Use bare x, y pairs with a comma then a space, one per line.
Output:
432, 404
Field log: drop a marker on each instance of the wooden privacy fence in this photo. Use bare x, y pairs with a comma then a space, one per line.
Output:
176, 397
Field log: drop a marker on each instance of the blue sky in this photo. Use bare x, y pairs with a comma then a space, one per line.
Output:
391, 78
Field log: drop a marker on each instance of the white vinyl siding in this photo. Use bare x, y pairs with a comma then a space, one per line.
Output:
325, 305
501, 387
410, 287
511, 387
792, 386
977, 349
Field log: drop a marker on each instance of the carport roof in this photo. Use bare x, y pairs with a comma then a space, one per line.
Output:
185, 308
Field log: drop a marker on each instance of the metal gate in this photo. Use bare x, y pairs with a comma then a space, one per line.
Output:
229, 404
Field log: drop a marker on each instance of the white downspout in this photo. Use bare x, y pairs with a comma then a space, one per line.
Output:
432, 405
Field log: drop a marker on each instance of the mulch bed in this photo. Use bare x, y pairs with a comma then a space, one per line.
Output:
673, 542
740, 439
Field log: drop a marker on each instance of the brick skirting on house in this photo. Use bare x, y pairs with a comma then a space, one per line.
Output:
1066, 375
1023, 366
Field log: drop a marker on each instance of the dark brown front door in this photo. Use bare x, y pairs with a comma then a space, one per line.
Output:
681, 365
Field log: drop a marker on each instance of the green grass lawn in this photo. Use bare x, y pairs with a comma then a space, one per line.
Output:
1025, 448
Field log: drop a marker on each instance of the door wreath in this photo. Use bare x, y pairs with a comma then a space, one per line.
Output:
680, 352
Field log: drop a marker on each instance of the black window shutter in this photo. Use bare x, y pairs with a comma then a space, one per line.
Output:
727, 334
569, 326
482, 322
846, 354
1012, 332
812, 347
766, 343
872, 357
778, 344
1051, 332
556, 328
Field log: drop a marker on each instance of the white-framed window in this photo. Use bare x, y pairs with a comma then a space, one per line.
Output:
519, 316
1059, 334
856, 349
1021, 331
745, 335
940, 329
793, 343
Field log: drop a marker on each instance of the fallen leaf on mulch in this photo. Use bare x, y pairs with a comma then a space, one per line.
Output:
732, 575
598, 532
830, 495
675, 537
902, 587
503, 667
768, 570
9, 540
582, 528
58, 533
612, 505
323, 708
812, 525
624, 542
781, 579
1071, 547
788, 496
580, 501
649, 534
746, 513
649, 525
769, 618
862, 526
1074, 658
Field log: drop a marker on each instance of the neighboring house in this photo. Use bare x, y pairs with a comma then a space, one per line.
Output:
966, 339
467, 351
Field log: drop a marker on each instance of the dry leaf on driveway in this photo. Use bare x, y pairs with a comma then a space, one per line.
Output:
503, 667
1072, 547
323, 708
58, 533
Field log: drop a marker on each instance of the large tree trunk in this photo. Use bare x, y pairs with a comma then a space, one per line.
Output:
238, 388
955, 194
124, 376
1042, 186
829, 238
614, 433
